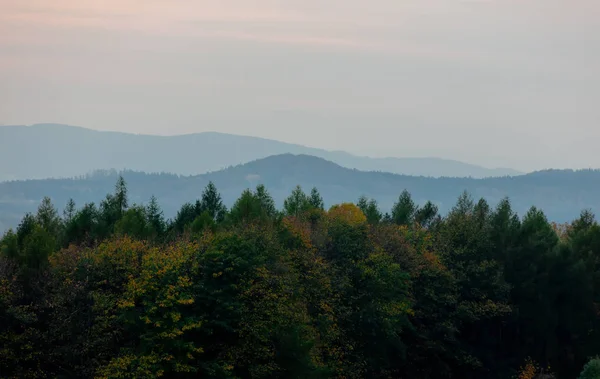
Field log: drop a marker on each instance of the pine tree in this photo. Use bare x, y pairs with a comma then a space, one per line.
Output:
370, 209
69, 211
156, 220
185, 216
246, 208
315, 200
267, 203
121, 196
404, 210
211, 202
47, 217
296, 203
427, 214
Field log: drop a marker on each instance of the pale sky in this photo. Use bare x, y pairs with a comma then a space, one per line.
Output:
501, 83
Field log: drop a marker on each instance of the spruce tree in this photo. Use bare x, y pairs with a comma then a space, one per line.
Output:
315, 200
404, 210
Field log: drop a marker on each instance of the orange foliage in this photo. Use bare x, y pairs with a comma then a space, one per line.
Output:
561, 230
531, 370
528, 371
299, 229
347, 213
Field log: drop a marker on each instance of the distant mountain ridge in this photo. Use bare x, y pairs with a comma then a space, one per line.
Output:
60, 151
562, 194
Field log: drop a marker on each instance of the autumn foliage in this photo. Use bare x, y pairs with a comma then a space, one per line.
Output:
117, 291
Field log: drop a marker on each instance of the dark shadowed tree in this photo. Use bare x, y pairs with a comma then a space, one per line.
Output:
316, 200
265, 200
156, 220
69, 211
426, 215
212, 203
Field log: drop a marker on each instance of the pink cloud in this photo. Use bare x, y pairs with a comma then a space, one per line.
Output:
409, 28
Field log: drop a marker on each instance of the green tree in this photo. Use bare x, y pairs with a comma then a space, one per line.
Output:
69, 211
482, 292
404, 209
9, 245
315, 200
211, 202
370, 209
426, 215
134, 223
591, 370
267, 203
527, 271
120, 197
246, 208
83, 227
155, 217
47, 217
297, 203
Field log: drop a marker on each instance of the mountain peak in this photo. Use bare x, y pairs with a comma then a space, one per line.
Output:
52, 148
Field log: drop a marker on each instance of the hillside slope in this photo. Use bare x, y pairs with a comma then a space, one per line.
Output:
60, 151
562, 194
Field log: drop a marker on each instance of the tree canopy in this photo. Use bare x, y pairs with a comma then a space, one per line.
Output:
118, 291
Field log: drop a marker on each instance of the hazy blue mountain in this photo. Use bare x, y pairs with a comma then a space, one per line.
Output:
59, 151
562, 194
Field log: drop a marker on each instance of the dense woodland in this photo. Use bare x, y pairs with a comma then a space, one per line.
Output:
113, 290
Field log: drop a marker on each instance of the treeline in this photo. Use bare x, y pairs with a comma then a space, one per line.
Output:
116, 291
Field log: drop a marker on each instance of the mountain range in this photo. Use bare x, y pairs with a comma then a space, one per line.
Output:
60, 151
562, 194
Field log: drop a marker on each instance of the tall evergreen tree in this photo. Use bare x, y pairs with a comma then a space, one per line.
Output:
315, 200
267, 203
156, 220
185, 216
296, 203
426, 215
47, 217
370, 209
404, 209
120, 196
69, 211
211, 202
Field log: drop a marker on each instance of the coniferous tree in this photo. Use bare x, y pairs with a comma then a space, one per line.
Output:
265, 200
591, 370
156, 220
47, 217
297, 203
84, 227
427, 214
315, 200
370, 209
69, 211
120, 197
185, 216
246, 208
404, 209
211, 202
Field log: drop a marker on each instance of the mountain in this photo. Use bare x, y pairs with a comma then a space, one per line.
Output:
60, 151
562, 194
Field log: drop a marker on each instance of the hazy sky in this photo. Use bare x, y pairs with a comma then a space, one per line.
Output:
498, 82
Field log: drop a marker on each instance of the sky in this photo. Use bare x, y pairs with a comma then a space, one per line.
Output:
500, 83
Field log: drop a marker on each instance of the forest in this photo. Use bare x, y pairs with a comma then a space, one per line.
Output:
115, 290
